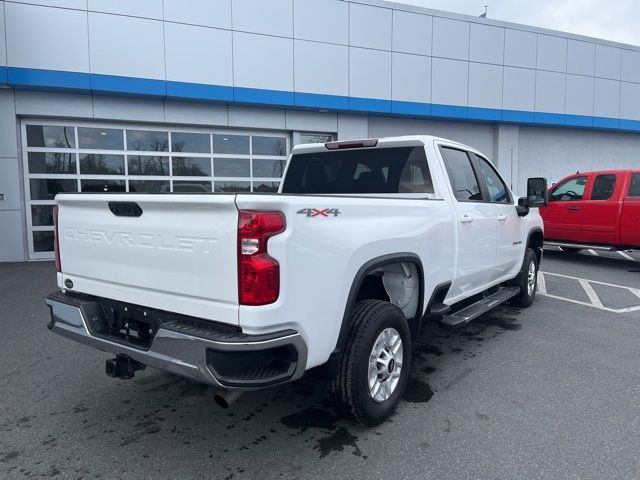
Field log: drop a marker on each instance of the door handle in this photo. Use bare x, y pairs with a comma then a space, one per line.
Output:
502, 218
573, 209
466, 219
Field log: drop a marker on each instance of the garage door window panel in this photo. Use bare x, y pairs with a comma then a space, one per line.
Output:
191, 166
147, 165
49, 136
52, 162
190, 142
147, 141
101, 164
100, 138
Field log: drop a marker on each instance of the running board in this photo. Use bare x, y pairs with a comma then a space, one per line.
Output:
481, 306
603, 248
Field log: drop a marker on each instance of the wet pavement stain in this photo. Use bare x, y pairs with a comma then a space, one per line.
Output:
337, 441
417, 391
12, 455
310, 418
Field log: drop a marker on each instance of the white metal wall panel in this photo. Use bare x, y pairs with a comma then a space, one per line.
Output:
54, 104
520, 48
273, 17
579, 95
450, 38
198, 54
487, 44
11, 237
485, 85
411, 78
73, 4
126, 46
606, 98
136, 8
8, 132
3, 38
552, 53
519, 89
194, 113
9, 184
207, 13
127, 109
261, 61
580, 57
412, 32
550, 92
323, 22
608, 62
630, 100
46, 38
369, 73
630, 66
321, 68
369, 26
311, 121
256, 117
449, 81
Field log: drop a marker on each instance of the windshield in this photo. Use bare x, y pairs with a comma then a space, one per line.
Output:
379, 170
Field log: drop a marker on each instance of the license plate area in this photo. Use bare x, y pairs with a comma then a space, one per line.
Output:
124, 323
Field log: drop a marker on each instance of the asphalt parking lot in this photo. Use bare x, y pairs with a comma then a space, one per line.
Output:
551, 392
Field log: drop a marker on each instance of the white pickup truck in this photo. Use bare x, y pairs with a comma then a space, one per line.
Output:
364, 242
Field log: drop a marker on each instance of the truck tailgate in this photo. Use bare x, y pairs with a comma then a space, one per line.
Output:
178, 255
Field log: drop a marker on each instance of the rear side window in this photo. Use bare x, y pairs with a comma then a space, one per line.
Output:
463, 179
380, 170
603, 187
634, 189
571, 190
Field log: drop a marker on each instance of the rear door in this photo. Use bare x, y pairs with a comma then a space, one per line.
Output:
176, 253
601, 209
477, 242
509, 226
630, 218
563, 215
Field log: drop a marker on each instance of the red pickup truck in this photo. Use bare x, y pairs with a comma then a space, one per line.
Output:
598, 210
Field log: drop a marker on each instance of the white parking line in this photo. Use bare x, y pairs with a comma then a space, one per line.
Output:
595, 301
627, 256
593, 252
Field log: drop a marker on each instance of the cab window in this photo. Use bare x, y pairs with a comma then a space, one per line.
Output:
634, 188
463, 179
603, 187
570, 190
497, 190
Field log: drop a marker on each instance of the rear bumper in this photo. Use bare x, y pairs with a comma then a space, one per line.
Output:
198, 349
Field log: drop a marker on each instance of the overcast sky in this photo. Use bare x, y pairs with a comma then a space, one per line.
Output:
617, 20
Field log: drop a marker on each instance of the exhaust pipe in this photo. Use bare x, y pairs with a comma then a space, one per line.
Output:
226, 398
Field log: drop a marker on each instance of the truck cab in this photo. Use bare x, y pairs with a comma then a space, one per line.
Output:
594, 209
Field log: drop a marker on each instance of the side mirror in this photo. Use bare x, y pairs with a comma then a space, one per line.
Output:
537, 193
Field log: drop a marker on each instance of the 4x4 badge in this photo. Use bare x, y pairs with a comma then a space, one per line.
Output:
319, 212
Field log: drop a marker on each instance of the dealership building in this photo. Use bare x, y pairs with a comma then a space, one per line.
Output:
211, 95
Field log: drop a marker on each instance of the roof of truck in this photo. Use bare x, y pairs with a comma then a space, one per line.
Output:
399, 141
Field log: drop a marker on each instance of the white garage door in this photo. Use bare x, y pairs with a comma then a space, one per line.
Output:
92, 157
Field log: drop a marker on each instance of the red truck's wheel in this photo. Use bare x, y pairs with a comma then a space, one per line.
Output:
374, 367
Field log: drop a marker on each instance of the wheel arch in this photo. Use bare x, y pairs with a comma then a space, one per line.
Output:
358, 280
535, 240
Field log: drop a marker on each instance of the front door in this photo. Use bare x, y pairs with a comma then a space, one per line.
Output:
630, 221
563, 215
509, 225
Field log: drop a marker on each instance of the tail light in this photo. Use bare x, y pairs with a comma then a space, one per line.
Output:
258, 273
56, 243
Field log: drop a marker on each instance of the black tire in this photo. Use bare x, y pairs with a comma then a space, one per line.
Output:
570, 249
349, 390
524, 298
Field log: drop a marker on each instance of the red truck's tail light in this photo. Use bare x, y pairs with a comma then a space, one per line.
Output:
258, 273
56, 243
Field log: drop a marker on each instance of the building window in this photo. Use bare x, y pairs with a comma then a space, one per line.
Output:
91, 157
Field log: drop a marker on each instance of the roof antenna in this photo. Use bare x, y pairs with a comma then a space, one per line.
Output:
484, 15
